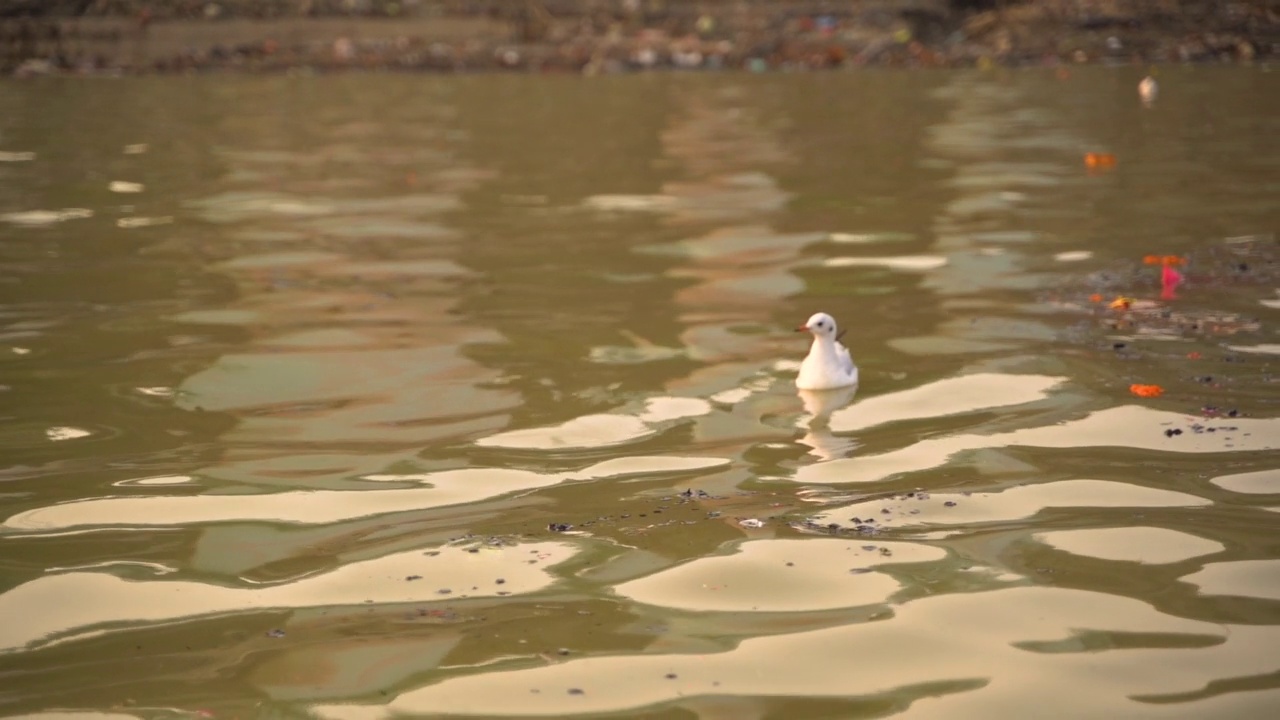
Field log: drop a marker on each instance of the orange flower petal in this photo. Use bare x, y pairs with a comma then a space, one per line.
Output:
1151, 260
1146, 390
1095, 298
1121, 303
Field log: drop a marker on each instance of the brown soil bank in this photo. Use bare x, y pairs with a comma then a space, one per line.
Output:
86, 36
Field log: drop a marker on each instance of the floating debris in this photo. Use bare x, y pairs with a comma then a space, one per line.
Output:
1099, 160
1148, 90
1146, 390
751, 523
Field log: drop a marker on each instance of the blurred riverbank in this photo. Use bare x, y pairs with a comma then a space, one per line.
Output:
118, 36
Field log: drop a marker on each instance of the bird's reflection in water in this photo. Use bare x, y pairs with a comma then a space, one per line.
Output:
818, 406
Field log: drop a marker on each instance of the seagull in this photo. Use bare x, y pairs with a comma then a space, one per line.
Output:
828, 365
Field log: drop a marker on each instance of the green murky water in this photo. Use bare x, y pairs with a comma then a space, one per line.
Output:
360, 396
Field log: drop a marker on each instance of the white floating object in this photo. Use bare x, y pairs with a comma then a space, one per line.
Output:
121, 186
751, 523
10, 156
135, 149
156, 391
1073, 256
1148, 89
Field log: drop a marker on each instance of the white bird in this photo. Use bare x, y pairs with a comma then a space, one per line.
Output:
1148, 89
828, 365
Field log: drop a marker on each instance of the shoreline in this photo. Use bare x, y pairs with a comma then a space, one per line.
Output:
769, 38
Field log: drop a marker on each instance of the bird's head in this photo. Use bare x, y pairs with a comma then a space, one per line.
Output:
821, 325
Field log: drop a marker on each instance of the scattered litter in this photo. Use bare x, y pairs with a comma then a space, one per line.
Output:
1099, 160
1146, 390
751, 523
276, 633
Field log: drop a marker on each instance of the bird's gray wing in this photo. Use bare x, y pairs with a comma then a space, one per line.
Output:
846, 361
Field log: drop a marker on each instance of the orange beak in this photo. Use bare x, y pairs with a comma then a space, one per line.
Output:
802, 328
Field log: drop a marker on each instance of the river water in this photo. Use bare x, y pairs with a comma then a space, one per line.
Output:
358, 396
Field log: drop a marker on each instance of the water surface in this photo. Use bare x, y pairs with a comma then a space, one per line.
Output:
349, 397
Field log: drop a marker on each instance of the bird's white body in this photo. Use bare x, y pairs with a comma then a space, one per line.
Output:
828, 365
